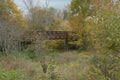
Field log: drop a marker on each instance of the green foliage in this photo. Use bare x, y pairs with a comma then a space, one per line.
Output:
105, 67
83, 7
100, 28
106, 30
55, 45
80, 10
11, 75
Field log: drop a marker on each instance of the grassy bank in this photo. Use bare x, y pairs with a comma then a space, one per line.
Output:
61, 65
71, 65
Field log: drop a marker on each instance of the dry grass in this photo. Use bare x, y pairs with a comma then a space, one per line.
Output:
68, 66
72, 66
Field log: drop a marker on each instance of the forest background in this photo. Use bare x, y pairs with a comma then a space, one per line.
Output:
94, 56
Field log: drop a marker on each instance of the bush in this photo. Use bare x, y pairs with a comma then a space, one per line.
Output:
11, 75
105, 67
52, 73
105, 28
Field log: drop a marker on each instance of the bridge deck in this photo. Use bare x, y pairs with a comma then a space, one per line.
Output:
49, 35
35, 36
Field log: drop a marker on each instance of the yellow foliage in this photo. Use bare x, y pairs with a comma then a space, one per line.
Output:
9, 11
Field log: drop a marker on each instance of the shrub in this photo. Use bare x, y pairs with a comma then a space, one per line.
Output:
11, 75
105, 67
52, 73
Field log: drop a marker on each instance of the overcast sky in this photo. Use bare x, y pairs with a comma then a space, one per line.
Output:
59, 4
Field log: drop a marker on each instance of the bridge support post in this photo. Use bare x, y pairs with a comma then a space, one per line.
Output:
66, 42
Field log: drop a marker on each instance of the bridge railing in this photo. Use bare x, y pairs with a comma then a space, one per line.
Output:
49, 35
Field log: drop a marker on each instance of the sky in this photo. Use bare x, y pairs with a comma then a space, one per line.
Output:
59, 4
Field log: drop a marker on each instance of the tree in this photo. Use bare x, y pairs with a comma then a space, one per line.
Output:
106, 33
80, 10
11, 21
9, 11
42, 19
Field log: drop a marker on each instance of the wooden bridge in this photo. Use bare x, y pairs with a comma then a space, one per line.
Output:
34, 36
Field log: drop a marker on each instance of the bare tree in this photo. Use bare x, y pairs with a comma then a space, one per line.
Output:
34, 23
9, 35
